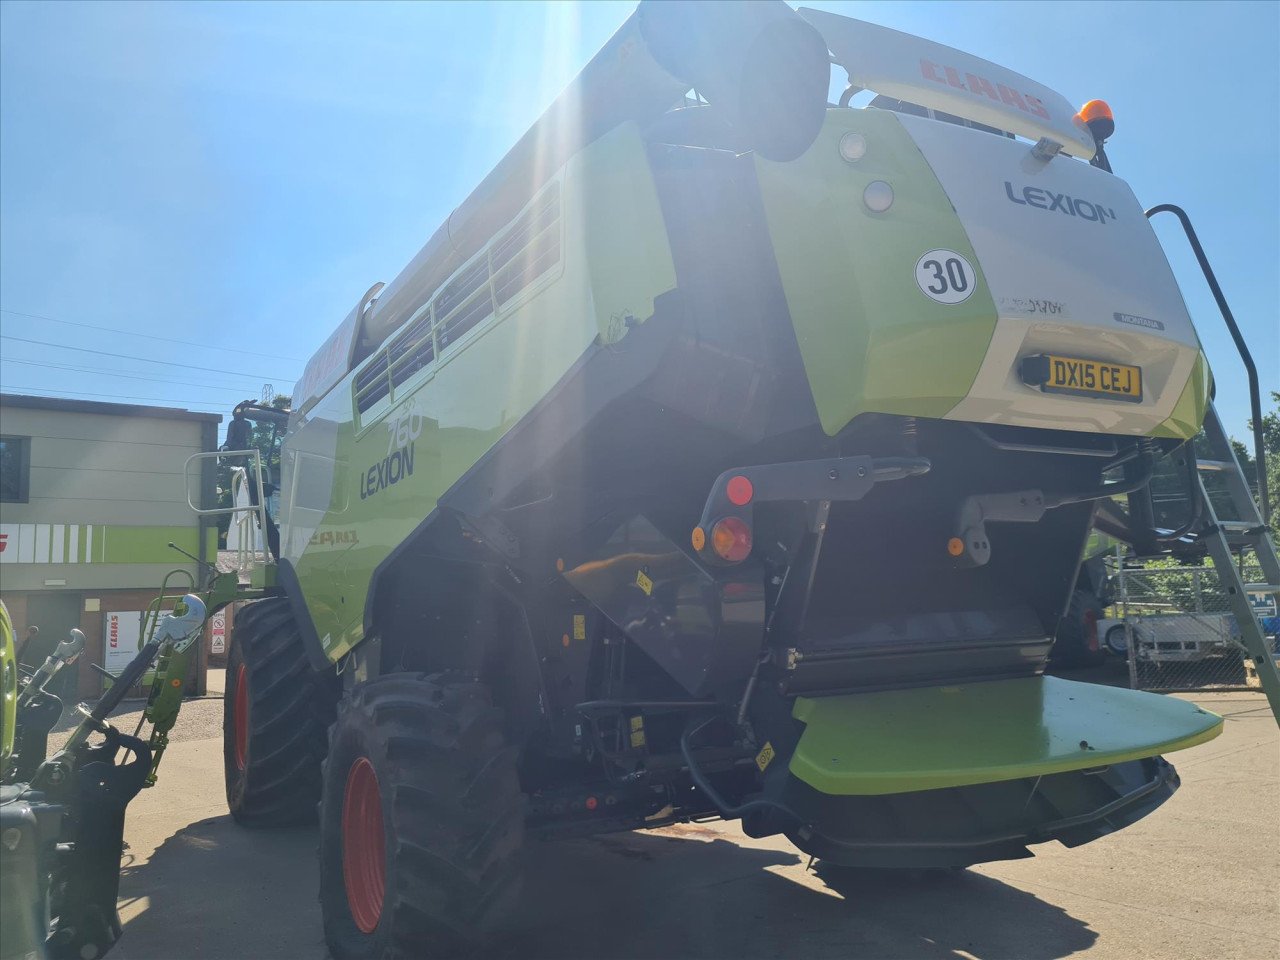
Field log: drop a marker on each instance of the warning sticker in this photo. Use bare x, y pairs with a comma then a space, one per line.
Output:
637, 731
644, 583
765, 757
579, 626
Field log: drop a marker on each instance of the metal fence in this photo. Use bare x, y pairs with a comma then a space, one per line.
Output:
1177, 630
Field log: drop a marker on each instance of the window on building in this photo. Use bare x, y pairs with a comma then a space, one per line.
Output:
15, 468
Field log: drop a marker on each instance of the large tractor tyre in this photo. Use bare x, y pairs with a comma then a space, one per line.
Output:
421, 822
1077, 643
275, 718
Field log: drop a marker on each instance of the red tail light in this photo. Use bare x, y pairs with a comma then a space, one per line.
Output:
739, 490
731, 539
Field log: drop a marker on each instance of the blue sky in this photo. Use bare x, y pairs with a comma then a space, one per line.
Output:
238, 174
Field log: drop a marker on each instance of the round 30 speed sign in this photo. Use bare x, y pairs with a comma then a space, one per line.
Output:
945, 276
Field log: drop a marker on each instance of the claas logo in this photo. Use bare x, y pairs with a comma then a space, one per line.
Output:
998, 92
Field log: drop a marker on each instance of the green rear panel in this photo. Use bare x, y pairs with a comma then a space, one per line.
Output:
899, 741
1188, 413
870, 339
615, 261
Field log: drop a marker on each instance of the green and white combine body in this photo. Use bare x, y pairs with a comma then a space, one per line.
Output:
536, 414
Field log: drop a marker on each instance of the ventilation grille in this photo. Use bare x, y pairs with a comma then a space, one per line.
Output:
412, 350
527, 251
464, 302
372, 384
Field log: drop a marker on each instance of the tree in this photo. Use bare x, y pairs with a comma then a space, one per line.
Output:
1271, 451
1273, 486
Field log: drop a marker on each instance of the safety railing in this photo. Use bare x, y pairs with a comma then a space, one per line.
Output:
251, 547
1250, 369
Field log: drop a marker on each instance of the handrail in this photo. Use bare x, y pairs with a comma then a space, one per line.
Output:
247, 536
258, 510
1255, 399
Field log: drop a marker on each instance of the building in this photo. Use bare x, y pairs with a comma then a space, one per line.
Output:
91, 496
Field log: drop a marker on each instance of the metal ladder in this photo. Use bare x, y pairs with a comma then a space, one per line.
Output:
1247, 530
1229, 539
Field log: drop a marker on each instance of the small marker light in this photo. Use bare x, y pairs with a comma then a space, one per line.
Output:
955, 546
853, 147
592, 803
699, 538
731, 539
739, 491
878, 196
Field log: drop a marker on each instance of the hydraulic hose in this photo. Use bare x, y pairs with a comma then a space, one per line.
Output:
1143, 478
1148, 464
728, 811
1193, 495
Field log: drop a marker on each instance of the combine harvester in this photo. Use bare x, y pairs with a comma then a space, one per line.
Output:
723, 459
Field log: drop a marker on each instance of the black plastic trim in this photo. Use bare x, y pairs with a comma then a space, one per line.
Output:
292, 589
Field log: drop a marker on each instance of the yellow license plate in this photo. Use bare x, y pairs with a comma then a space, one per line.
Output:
1054, 373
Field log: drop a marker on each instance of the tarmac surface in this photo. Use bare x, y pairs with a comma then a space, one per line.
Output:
1199, 878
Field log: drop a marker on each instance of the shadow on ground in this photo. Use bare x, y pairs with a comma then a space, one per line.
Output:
216, 890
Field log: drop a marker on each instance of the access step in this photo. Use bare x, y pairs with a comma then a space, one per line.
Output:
1215, 466
927, 738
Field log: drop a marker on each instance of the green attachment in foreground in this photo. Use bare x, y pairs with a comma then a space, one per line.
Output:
167, 681
8, 687
900, 741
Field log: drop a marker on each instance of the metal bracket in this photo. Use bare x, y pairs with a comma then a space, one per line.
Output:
1046, 149
974, 548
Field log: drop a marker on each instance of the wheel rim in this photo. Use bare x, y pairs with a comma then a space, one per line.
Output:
240, 715
1117, 641
364, 854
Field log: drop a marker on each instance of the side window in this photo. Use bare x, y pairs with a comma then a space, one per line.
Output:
15, 469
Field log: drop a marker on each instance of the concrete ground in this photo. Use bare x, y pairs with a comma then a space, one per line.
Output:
1200, 878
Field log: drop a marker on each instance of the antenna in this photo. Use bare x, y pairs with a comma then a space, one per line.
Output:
204, 564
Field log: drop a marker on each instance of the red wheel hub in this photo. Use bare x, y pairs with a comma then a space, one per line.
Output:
240, 716
364, 852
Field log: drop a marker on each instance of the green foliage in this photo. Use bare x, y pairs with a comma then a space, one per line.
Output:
1273, 487
1271, 427
1245, 457
1171, 585
1271, 450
